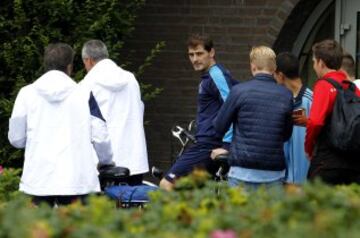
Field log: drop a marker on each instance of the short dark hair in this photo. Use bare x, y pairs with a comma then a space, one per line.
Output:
197, 39
288, 64
58, 56
330, 52
348, 64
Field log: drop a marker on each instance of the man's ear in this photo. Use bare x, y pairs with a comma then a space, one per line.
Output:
279, 77
212, 53
282, 75
321, 63
69, 69
253, 68
92, 62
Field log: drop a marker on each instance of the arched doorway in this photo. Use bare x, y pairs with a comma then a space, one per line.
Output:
319, 26
337, 19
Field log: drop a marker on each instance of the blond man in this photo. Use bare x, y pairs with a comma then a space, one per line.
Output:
260, 111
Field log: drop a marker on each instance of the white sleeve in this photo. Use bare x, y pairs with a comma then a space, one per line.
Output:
18, 122
99, 133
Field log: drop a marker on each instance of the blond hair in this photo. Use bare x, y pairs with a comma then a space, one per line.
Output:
263, 57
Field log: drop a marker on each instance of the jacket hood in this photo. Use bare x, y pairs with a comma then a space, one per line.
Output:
54, 86
108, 75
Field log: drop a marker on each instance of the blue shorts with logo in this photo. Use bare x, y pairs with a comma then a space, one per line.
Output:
196, 156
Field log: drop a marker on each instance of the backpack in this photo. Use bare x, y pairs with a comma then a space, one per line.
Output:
344, 126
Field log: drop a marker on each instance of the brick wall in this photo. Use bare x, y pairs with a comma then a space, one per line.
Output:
235, 26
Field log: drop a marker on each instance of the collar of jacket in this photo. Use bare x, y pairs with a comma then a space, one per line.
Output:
337, 75
264, 77
298, 98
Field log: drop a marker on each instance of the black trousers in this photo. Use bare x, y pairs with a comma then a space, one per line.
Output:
336, 176
58, 200
332, 166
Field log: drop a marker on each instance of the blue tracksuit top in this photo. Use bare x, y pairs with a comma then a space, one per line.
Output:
297, 165
214, 88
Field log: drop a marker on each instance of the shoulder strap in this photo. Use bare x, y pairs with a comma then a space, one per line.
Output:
334, 83
338, 86
350, 94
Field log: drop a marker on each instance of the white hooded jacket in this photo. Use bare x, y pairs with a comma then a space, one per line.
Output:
51, 119
118, 95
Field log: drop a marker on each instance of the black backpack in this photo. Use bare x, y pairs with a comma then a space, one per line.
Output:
344, 125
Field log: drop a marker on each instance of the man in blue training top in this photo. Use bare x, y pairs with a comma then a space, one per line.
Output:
287, 74
260, 111
214, 88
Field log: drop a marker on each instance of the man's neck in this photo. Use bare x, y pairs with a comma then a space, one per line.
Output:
294, 85
326, 71
213, 62
261, 72
350, 77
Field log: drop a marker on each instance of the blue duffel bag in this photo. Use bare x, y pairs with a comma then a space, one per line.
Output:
130, 194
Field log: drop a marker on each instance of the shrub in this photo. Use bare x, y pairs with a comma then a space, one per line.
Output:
213, 210
9, 184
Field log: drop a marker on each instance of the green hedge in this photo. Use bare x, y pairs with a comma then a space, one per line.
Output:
9, 184
210, 210
28, 26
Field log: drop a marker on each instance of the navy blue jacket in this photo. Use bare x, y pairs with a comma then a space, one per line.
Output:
260, 111
214, 88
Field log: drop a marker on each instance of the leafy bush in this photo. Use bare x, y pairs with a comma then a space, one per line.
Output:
213, 210
9, 184
27, 27
315, 210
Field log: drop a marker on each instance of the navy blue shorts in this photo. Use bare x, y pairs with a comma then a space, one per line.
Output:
196, 156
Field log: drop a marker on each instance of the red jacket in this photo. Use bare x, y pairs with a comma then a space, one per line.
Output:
324, 96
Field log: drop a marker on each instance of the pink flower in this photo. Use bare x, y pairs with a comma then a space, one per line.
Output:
223, 234
1, 169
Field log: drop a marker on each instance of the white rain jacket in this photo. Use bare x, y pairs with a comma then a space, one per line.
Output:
118, 95
51, 119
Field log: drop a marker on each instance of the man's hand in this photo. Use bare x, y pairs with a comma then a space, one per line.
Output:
299, 120
218, 151
309, 157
